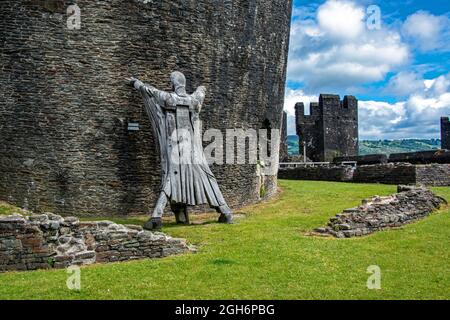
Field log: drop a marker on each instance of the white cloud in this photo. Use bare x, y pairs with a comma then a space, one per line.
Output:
406, 83
294, 96
417, 117
291, 126
377, 119
438, 86
341, 19
427, 31
334, 50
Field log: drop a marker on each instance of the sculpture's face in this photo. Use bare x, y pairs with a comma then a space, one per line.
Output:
178, 80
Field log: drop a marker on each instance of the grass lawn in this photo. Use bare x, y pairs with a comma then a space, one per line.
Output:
268, 255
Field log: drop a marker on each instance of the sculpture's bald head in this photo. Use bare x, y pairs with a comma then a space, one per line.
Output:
178, 81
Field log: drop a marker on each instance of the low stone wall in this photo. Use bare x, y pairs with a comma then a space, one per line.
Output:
422, 157
378, 213
323, 173
433, 174
387, 173
362, 160
50, 241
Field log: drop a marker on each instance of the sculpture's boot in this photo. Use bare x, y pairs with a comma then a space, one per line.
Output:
226, 218
155, 223
181, 213
226, 215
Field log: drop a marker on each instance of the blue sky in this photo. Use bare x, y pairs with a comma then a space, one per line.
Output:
398, 66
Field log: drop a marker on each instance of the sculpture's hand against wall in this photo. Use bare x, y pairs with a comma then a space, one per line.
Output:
130, 81
136, 83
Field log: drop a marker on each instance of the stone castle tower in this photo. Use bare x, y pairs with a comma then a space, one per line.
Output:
331, 128
284, 154
445, 133
65, 146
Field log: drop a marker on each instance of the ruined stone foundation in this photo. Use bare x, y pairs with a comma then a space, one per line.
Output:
49, 241
408, 205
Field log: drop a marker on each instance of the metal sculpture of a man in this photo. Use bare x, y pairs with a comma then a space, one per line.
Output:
186, 179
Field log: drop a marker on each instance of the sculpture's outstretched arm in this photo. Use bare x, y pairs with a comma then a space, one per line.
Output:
139, 85
143, 88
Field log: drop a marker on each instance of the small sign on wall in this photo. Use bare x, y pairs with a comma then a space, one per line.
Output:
133, 126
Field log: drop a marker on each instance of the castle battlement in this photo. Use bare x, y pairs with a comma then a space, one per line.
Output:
331, 128
328, 103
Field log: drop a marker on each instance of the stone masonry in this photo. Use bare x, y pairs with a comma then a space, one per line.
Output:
337, 173
404, 173
331, 128
445, 133
50, 241
284, 155
434, 174
65, 108
408, 205
419, 157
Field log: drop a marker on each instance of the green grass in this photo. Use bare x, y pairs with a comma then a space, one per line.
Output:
268, 256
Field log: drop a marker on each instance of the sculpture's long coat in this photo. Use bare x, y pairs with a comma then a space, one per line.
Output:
186, 176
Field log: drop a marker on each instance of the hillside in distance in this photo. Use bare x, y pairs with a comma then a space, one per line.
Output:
397, 146
381, 146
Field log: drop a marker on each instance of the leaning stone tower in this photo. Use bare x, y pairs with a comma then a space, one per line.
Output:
64, 107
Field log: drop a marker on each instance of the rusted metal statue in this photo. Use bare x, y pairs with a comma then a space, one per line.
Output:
186, 179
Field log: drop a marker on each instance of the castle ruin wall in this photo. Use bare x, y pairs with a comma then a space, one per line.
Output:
65, 146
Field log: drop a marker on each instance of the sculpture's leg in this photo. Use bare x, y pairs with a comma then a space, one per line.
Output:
181, 213
155, 222
226, 215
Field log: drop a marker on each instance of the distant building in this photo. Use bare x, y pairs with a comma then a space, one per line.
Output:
331, 128
445, 133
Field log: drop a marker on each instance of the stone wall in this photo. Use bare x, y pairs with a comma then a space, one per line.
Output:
404, 173
421, 157
387, 173
309, 129
445, 133
50, 241
321, 173
64, 105
363, 160
433, 174
331, 128
284, 155
408, 205
390, 173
